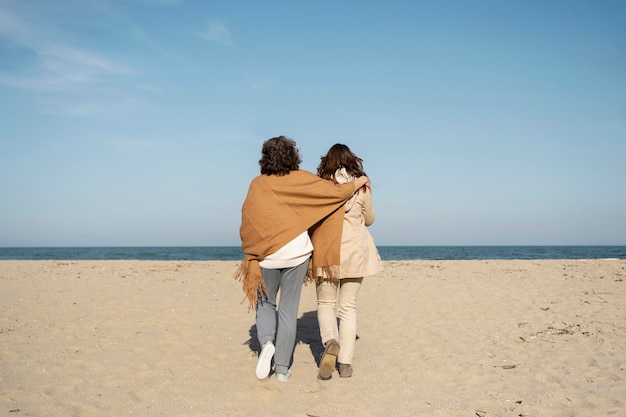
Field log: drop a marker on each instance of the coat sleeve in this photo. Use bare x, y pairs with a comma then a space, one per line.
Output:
369, 214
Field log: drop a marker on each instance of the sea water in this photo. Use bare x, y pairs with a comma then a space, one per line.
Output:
388, 253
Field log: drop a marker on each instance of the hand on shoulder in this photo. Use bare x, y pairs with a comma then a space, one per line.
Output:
360, 182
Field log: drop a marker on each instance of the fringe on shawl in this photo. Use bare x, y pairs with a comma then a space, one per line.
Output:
319, 274
249, 273
326, 238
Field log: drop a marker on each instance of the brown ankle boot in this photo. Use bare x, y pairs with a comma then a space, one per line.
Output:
345, 370
329, 360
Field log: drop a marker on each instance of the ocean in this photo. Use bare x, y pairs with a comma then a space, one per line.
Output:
387, 253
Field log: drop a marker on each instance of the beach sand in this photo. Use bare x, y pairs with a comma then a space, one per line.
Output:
436, 338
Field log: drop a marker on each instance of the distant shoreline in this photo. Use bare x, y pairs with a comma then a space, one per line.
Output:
234, 253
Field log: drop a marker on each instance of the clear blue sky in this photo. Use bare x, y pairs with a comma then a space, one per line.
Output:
140, 122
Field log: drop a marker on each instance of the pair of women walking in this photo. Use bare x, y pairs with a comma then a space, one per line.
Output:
297, 226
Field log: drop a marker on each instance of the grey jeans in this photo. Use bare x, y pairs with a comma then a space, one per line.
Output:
279, 325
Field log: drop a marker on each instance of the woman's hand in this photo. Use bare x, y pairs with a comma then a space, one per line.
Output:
360, 182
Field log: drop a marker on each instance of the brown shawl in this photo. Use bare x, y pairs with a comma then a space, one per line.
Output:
277, 209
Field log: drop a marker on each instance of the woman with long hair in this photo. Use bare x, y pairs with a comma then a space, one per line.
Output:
358, 258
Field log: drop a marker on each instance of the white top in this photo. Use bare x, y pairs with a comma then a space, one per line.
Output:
342, 177
292, 254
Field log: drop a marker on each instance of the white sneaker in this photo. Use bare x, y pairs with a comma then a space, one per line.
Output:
283, 377
264, 364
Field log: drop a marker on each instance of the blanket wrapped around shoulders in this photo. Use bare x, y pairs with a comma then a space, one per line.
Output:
276, 210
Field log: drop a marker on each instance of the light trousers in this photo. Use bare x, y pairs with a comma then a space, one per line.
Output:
338, 298
279, 325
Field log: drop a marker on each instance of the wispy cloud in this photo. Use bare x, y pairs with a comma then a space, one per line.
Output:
11, 26
55, 66
260, 84
132, 143
73, 67
140, 35
59, 69
218, 33
149, 89
38, 55
103, 106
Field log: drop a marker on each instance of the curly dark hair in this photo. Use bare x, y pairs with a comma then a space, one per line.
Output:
340, 156
279, 156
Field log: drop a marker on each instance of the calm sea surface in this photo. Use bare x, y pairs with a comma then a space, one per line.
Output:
388, 253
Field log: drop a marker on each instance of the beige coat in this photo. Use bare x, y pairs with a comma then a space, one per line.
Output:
359, 256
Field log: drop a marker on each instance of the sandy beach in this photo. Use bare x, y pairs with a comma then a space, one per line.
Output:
436, 338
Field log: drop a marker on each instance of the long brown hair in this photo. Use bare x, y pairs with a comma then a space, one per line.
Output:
340, 156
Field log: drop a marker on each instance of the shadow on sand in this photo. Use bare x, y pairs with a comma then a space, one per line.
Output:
308, 332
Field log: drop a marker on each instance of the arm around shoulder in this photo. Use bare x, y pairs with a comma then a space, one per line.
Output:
360, 182
369, 213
